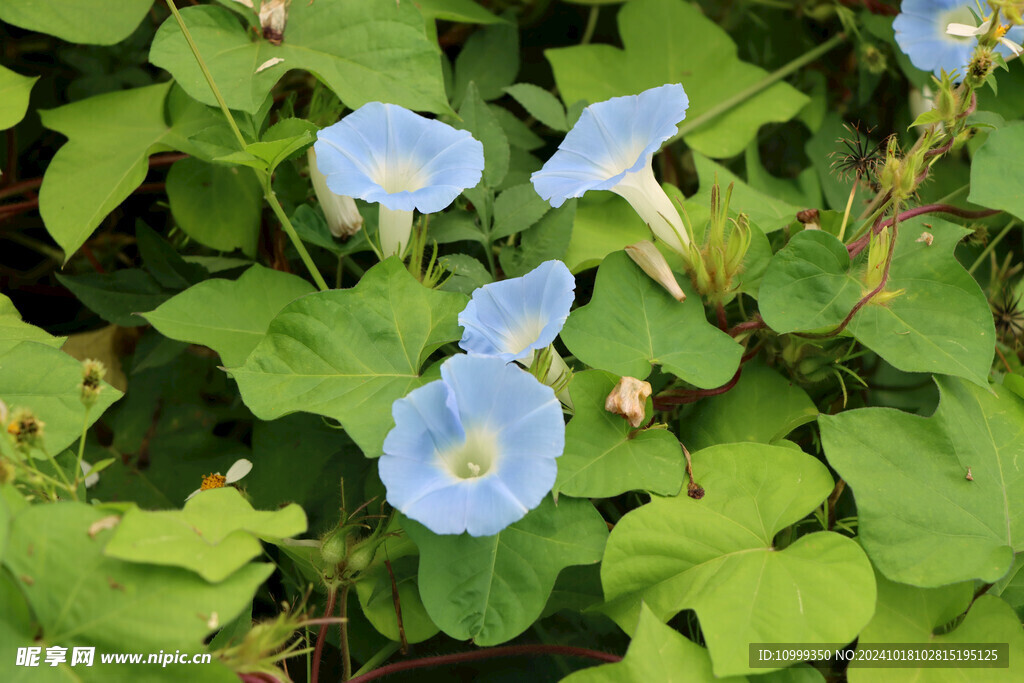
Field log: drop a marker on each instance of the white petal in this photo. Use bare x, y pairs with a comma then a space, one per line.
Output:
965, 30
90, 479
1014, 47
238, 470
191, 495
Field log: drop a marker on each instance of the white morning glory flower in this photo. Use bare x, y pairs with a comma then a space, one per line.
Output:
386, 154
513, 318
475, 450
238, 469
921, 32
611, 147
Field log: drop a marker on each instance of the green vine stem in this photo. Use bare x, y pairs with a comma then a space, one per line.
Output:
265, 177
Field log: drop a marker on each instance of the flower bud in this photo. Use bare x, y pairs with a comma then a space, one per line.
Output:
343, 218
334, 547
629, 399
273, 17
652, 262
93, 372
26, 429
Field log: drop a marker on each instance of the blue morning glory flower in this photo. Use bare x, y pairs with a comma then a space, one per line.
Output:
513, 318
475, 450
387, 154
922, 33
610, 148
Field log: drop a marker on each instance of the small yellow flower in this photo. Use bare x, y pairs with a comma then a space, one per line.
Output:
216, 480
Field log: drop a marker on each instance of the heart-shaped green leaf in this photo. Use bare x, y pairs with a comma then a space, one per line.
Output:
349, 354
922, 520
491, 588
631, 323
715, 556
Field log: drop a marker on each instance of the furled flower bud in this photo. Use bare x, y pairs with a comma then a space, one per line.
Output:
343, 218
273, 17
93, 372
629, 399
652, 262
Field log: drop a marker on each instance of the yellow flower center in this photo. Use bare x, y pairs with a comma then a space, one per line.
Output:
1001, 31
213, 481
14, 428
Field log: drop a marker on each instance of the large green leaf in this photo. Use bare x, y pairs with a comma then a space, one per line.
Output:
465, 11
604, 456
349, 354
363, 50
14, 93
13, 330
940, 323
922, 521
490, 60
110, 138
905, 614
98, 22
491, 588
656, 653
119, 296
632, 322
229, 317
763, 407
219, 206
377, 599
37, 376
605, 222
715, 556
671, 41
997, 180
215, 535
81, 598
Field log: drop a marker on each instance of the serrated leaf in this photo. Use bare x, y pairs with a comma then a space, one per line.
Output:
604, 456
215, 535
96, 22
905, 614
37, 376
516, 209
763, 407
14, 331
491, 588
540, 104
118, 296
363, 50
715, 556
229, 317
110, 138
81, 598
349, 354
14, 95
941, 322
670, 41
632, 323
921, 520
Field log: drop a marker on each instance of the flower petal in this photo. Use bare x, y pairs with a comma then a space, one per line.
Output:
511, 409
238, 469
611, 138
512, 318
387, 154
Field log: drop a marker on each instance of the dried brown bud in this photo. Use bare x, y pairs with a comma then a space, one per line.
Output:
926, 237
694, 490
628, 399
273, 17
